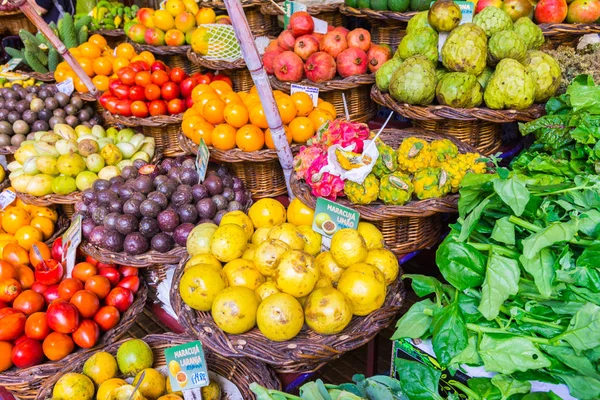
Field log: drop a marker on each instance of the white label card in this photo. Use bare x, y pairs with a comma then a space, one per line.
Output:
313, 92
202, 160
67, 87
320, 25
70, 241
7, 197
12, 64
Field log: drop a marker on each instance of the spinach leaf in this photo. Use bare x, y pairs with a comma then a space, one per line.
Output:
583, 277
468, 305
583, 332
581, 387
541, 267
414, 324
567, 356
552, 234
509, 354
424, 285
484, 388
536, 375
418, 381
541, 396
314, 391
471, 220
472, 191
589, 223
469, 355
501, 281
461, 264
509, 386
589, 258
513, 193
449, 333
504, 231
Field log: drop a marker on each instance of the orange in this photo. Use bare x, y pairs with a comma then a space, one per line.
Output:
253, 90
302, 129
80, 86
44, 225
119, 63
257, 116
102, 66
327, 106
242, 95
27, 236
44, 251
213, 111
269, 140
203, 99
287, 109
236, 114
6, 351
90, 50
98, 40
223, 137
231, 97
19, 203
220, 87
204, 131
250, 138
187, 125
278, 93
37, 211
319, 117
138, 58
15, 254
190, 112
201, 88
149, 57
101, 82
87, 64
303, 102
14, 218
250, 99
75, 52
62, 75
63, 66
125, 50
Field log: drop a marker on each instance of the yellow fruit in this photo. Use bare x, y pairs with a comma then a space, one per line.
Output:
328, 311
200, 285
198, 241
296, 273
14, 218
73, 386
323, 282
312, 240
365, 286
327, 106
100, 367
175, 7
174, 367
241, 219
373, 236
211, 392
267, 212
266, 289
107, 387
228, 242
268, 254
280, 317
348, 247
328, 267
249, 252
260, 235
203, 259
386, 262
153, 385
171, 396
242, 272
48, 212
289, 234
44, 225
163, 20
126, 392
205, 16
234, 310
200, 40
300, 214
27, 235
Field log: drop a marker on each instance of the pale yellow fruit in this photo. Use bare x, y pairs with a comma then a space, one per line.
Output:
198, 241
249, 252
234, 310
100, 367
204, 258
280, 317
266, 289
73, 386
296, 273
323, 282
108, 386
373, 236
348, 247
153, 386
327, 311
289, 234
228, 242
386, 262
211, 392
240, 219
267, 254
267, 212
312, 240
365, 286
328, 266
200, 285
260, 235
242, 272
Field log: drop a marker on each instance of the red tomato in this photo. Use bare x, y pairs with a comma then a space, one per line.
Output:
104, 98
139, 66
210, 75
123, 108
12, 323
152, 92
87, 303
160, 77
177, 75
122, 92
187, 85
27, 353
110, 273
143, 78
158, 107
29, 302
99, 285
9, 289
57, 346
6, 363
91, 260
169, 91
3, 305
139, 109
189, 102
84, 271
130, 282
124, 270
176, 106
107, 317
203, 79
158, 65
136, 93
39, 287
62, 316
106, 265
68, 287
126, 75
120, 298
21, 339
51, 294
36, 326
49, 272
111, 107
224, 78
113, 83
87, 334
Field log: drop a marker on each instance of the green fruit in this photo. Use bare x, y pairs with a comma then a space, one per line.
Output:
484, 77
444, 15
63, 185
364, 193
70, 164
100, 367
465, 50
395, 188
418, 21
459, 90
351, 3
364, 4
133, 356
532, 35
414, 81
545, 72
387, 162
379, 5
111, 154
383, 76
398, 5
419, 5
493, 20
510, 87
39, 185
421, 41
85, 180
94, 162
506, 44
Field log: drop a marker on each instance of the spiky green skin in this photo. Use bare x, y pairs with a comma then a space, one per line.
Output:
82, 35
365, 193
422, 41
459, 90
383, 76
418, 21
506, 44
545, 72
34, 63
53, 59
493, 20
67, 31
465, 50
14, 53
414, 81
510, 87
391, 194
532, 35
387, 158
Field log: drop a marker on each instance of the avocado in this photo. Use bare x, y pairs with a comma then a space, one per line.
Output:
379, 5
364, 3
351, 3
420, 5
398, 5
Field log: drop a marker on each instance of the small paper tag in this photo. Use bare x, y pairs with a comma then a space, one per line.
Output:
12, 64
468, 9
313, 92
202, 160
187, 366
330, 217
289, 8
320, 25
67, 87
70, 241
6, 198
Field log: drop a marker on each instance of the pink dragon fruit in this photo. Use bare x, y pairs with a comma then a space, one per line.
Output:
323, 184
344, 133
304, 159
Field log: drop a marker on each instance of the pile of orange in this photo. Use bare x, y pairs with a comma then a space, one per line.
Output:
99, 62
226, 119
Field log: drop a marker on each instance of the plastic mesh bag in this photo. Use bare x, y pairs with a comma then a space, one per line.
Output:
218, 42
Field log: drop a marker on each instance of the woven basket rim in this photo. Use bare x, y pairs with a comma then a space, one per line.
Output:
270, 8
87, 96
437, 112
10, 13
49, 199
46, 78
382, 15
160, 50
221, 5
158, 121
109, 32
335, 84
216, 65
575, 29
306, 352
149, 259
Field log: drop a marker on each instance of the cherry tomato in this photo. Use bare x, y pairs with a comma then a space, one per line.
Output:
87, 334
125, 270
26, 277
122, 92
189, 102
126, 75
68, 287
139, 109
87, 303
136, 93
51, 294
123, 108
139, 66
120, 298
29, 302
106, 265
224, 78
187, 85
143, 78
62, 316
104, 98
203, 79
130, 282
27, 353
107, 317
176, 106
84, 271
158, 65
9, 289
91, 260
160, 77
177, 74
158, 107
110, 273
152, 92
49, 272
21, 339
99, 285
39, 287
12, 323
210, 75
36, 326
169, 91
112, 83
111, 107
57, 346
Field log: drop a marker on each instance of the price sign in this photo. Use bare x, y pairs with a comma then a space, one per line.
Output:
290, 7
187, 367
12, 64
67, 87
330, 217
202, 160
6, 198
70, 241
313, 92
320, 25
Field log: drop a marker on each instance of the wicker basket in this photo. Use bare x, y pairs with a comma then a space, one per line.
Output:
566, 34
485, 136
377, 15
389, 32
13, 21
327, 12
49, 199
240, 372
47, 77
306, 352
149, 259
25, 383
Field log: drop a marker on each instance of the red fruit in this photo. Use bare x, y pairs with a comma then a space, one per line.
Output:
187, 85
29, 302
111, 106
177, 75
351, 61
189, 102
334, 43
120, 298
288, 67
68, 287
106, 265
87, 303
143, 78
377, 55
152, 92
223, 78
57, 247
123, 108
199, 78
341, 30
104, 98
62, 317
320, 67
98, 285
51, 294
12, 323
169, 91
49, 272
273, 45
126, 75
160, 77
36, 326
9, 290
518, 8
176, 106
306, 46
91, 260
301, 23
110, 273
210, 75
27, 353
130, 282
487, 3
583, 11
136, 93
139, 109
107, 317
39, 287
122, 92
112, 83
268, 58
286, 40
158, 107
359, 38
551, 11
87, 334
158, 65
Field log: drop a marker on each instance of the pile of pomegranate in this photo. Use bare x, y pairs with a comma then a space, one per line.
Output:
299, 52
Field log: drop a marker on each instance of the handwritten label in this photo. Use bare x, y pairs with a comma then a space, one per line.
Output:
290, 7
313, 92
12, 64
467, 9
330, 217
67, 87
70, 241
187, 366
320, 25
6, 198
202, 160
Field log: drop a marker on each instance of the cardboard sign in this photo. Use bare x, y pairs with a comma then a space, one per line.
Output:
468, 10
202, 160
187, 366
12, 64
313, 92
320, 25
71, 240
6, 198
67, 87
290, 7
330, 217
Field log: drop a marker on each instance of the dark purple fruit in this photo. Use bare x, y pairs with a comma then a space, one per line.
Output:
116, 206
92, 207
218, 216
143, 184
88, 196
206, 221
87, 225
40, 125
238, 184
188, 176
189, 163
149, 227
227, 181
105, 197
125, 192
220, 202
159, 198
162, 243
174, 173
135, 243
234, 206
151, 171
240, 196
99, 214
129, 172
199, 191
150, 208
139, 163
117, 180
159, 180
81, 208
101, 184
97, 235
167, 164
181, 233
187, 213
228, 193
206, 208
168, 220
127, 223
113, 241
214, 184
181, 197
137, 196
132, 207
110, 222
167, 188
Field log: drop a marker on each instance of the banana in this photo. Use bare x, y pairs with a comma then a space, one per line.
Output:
118, 21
